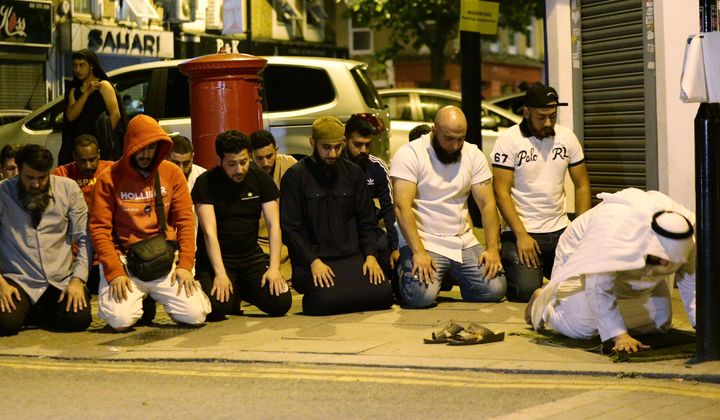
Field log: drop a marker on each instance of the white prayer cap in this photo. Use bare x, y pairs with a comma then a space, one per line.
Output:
675, 234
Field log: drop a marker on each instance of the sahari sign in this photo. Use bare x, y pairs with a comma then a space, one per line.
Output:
123, 41
26, 23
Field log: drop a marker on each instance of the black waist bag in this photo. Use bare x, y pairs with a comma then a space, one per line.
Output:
153, 257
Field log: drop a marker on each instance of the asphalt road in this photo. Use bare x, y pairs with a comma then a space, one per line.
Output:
41, 388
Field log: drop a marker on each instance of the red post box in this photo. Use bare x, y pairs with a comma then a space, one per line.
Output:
224, 95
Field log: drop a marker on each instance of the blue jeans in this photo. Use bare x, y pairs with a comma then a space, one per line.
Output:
474, 286
522, 280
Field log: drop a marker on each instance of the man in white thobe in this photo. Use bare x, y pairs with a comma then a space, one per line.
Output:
613, 270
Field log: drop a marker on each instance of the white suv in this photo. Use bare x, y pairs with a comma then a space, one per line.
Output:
296, 91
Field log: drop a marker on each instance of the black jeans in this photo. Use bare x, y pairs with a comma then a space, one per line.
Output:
245, 273
352, 291
522, 280
47, 311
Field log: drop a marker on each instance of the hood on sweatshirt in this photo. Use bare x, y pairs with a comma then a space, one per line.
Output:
143, 131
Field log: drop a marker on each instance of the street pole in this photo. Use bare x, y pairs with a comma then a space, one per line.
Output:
471, 85
248, 31
471, 89
707, 197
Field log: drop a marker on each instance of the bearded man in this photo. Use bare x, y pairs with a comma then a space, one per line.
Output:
530, 162
329, 227
38, 273
360, 131
432, 180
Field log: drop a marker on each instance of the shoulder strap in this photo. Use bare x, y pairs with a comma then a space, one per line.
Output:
159, 206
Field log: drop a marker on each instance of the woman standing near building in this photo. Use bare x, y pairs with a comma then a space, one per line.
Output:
92, 107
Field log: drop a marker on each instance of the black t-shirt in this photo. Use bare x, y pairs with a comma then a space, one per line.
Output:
238, 208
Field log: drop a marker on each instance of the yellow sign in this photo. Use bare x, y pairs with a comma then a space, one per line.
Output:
479, 16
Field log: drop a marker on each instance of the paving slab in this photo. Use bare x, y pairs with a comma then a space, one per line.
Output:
390, 338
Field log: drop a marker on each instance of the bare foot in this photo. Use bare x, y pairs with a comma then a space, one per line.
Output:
528, 308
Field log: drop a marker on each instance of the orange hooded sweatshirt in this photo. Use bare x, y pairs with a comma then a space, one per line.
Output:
123, 209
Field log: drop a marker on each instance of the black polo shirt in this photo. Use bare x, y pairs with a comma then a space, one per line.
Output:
238, 208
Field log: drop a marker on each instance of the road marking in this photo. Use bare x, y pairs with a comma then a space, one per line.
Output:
400, 377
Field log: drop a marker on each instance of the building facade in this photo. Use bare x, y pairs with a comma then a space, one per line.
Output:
37, 37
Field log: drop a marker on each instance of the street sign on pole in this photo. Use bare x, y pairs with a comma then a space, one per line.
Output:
707, 196
479, 16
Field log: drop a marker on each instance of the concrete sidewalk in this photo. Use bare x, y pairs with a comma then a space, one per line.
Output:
391, 338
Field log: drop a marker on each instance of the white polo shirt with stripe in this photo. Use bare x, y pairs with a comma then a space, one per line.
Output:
539, 168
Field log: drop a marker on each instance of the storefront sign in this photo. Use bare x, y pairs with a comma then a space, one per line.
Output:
26, 23
212, 45
123, 41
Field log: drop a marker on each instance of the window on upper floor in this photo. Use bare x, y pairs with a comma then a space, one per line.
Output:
361, 38
82, 7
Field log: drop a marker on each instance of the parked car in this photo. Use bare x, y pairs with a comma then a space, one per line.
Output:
513, 102
9, 115
411, 107
296, 91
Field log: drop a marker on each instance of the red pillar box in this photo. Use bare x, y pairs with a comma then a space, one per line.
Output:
224, 95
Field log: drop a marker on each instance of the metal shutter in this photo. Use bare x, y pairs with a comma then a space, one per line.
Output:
615, 103
22, 85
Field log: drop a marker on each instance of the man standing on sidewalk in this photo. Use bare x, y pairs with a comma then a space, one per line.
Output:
230, 198
433, 178
42, 217
124, 213
530, 161
329, 227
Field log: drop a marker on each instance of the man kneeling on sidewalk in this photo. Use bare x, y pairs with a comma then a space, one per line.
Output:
613, 267
328, 224
126, 212
229, 200
42, 216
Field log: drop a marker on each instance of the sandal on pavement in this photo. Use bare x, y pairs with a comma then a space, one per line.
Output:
475, 334
444, 335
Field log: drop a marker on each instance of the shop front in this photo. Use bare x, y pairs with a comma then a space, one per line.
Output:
25, 39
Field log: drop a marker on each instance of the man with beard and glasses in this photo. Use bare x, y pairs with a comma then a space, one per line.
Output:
614, 268
530, 162
266, 157
432, 180
42, 217
84, 169
329, 227
359, 132
229, 200
124, 213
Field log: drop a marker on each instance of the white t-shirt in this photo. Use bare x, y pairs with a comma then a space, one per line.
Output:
539, 167
195, 172
440, 206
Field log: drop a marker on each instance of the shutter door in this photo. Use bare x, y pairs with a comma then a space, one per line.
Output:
617, 89
22, 85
